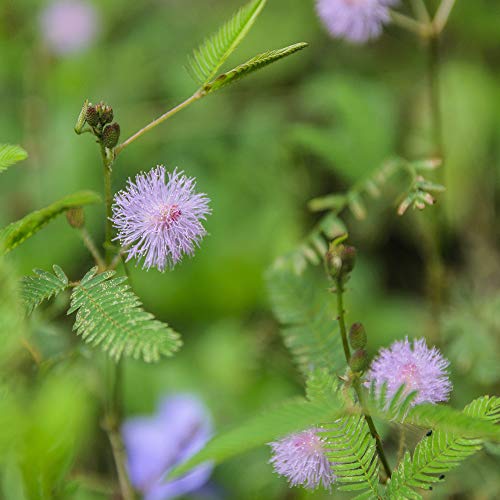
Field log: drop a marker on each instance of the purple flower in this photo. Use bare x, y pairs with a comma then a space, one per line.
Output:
419, 368
355, 20
178, 430
302, 459
159, 221
69, 25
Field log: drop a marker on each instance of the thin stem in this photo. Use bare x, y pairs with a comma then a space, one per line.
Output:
112, 429
356, 382
410, 24
435, 96
421, 11
197, 95
89, 243
107, 163
341, 320
442, 15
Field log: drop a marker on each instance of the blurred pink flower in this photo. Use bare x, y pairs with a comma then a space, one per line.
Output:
69, 26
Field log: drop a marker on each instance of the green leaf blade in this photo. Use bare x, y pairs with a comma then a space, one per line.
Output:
307, 314
110, 316
209, 57
258, 62
42, 286
10, 155
18, 232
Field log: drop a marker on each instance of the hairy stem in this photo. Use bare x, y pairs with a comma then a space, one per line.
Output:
410, 24
341, 320
197, 95
356, 382
113, 403
442, 15
92, 248
107, 163
421, 11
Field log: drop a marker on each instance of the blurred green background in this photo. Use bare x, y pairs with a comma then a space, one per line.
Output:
310, 125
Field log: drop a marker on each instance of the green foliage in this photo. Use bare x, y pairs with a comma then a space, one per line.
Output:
475, 356
292, 416
306, 312
429, 416
110, 315
210, 56
440, 452
42, 286
254, 64
10, 155
17, 232
12, 326
353, 451
49, 429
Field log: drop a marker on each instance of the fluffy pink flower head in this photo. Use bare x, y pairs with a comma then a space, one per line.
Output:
160, 221
302, 459
355, 20
417, 367
69, 26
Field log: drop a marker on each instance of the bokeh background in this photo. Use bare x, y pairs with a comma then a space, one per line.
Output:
312, 124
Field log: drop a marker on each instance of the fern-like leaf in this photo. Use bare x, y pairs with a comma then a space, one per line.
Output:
17, 232
111, 316
440, 452
42, 286
307, 314
292, 416
210, 56
353, 451
10, 155
254, 64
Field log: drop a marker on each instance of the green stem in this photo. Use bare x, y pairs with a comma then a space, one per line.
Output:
113, 404
421, 11
92, 248
197, 95
442, 15
107, 163
356, 382
341, 320
410, 24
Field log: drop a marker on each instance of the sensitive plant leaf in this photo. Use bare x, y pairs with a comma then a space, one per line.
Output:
42, 286
292, 416
306, 312
110, 316
352, 449
440, 452
10, 155
210, 56
17, 232
254, 64
398, 409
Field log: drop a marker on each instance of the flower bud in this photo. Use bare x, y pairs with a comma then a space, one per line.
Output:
357, 336
91, 115
106, 115
80, 122
110, 135
359, 361
75, 217
340, 260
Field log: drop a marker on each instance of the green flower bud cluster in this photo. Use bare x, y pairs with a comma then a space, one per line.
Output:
99, 118
340, 260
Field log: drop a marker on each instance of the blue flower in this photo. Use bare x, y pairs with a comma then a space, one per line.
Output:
178, 430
